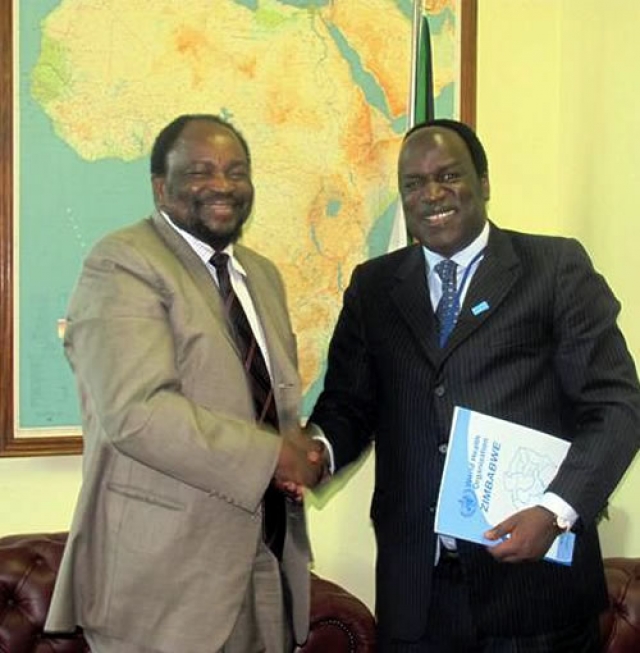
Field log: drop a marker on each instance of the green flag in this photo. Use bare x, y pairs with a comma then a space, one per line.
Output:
423, 108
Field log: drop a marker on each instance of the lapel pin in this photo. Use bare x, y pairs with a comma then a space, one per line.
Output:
480, 308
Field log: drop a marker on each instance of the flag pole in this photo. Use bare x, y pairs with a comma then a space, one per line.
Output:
415, 60
399, 237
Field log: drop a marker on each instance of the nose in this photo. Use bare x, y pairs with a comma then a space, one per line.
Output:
220, 183
433, 189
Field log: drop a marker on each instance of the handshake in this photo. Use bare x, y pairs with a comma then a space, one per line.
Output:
303, 463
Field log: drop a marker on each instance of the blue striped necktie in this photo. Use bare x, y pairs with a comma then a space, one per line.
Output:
449, 304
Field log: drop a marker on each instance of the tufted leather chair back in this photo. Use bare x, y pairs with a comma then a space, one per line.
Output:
620, 625
28, 567
340, 623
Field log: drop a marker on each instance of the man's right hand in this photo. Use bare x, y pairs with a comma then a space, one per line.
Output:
301, 464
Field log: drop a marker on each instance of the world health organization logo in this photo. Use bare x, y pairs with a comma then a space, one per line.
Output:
468, 503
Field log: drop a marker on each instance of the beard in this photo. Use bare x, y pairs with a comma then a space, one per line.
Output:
217, 237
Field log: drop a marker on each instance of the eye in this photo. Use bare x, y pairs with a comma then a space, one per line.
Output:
196, 172
450, 177
238, 175
410, 184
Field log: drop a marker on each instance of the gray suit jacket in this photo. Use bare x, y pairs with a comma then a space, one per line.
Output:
174, 469
542, 349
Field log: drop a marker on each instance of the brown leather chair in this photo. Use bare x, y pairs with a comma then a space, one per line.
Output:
339, 621
620, 624
28, 565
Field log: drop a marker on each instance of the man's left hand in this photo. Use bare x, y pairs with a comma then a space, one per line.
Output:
527, 535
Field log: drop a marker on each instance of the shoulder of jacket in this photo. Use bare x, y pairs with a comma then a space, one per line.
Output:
538, 240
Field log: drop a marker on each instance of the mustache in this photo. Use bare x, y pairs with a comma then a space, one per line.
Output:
212, 196
433, 209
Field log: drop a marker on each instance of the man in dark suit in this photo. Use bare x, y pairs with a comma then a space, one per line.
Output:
186, 367
534, 340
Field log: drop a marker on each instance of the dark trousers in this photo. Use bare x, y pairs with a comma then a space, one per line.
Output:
451, 628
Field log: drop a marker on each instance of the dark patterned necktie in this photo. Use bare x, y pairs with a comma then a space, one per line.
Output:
448, 306
261, 391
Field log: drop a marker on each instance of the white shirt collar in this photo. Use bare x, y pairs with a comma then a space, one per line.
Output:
202, 249
464, 256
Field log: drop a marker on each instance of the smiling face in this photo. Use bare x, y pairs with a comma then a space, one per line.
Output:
207, 187
442, 196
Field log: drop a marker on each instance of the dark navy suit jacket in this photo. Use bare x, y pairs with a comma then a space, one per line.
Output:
546, 353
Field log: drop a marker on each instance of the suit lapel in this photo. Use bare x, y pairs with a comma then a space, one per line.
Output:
411, 295
494, 278
269, 308
261, 293
490, 285
196, 269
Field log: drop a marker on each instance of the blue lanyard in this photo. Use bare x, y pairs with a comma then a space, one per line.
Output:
465, 276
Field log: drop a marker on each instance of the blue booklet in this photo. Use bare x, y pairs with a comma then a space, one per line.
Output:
493, 469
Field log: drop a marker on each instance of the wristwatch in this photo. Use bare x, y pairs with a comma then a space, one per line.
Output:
563, 525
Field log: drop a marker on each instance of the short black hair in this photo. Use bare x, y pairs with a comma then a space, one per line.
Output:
168, 136
470, 138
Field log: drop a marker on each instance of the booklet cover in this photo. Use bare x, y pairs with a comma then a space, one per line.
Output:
493, 469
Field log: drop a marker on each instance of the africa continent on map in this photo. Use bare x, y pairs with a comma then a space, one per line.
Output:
319, 89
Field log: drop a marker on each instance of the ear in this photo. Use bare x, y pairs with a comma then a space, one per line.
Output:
486, 188
158, 184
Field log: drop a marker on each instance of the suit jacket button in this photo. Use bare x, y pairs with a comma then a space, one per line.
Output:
442, 448
440, 390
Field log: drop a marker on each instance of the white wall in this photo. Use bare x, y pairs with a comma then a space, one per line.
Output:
557, 111
38, 494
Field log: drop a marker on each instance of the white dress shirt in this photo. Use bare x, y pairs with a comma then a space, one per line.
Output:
238, 277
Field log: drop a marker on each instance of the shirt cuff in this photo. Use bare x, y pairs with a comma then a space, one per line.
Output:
559, 507
318, 434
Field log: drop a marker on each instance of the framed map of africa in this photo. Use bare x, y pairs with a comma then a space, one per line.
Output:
319, 88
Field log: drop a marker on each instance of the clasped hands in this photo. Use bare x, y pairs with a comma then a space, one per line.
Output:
302, 463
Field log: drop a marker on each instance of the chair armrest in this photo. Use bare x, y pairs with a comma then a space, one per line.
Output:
339, 621
620, 624
28, 568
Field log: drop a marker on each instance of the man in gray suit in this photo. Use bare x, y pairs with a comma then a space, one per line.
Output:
182, 539
530, 336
